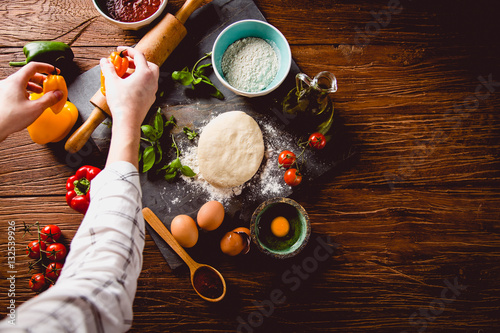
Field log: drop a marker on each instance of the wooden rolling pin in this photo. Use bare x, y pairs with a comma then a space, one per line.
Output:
157, 44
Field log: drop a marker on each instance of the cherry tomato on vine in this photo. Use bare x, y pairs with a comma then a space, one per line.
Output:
33, 249
37, 282
50, 233
317, 140
53, 271
286, 159
56, 252
293, 177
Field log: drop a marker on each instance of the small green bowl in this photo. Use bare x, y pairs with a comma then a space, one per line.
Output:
280, 247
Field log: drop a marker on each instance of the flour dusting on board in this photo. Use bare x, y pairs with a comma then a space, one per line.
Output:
267, 182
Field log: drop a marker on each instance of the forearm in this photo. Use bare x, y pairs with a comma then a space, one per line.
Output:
3, 134
124, 146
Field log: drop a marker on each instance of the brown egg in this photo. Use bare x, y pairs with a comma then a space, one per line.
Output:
184, 230
210, 215
236, 242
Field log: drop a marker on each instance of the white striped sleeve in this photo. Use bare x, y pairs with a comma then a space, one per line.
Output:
96, 289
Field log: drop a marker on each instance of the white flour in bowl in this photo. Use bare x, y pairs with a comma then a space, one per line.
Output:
250, 64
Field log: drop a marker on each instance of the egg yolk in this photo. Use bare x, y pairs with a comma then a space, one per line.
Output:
280, 226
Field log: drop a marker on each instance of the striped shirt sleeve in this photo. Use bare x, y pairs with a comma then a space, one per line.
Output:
96, 289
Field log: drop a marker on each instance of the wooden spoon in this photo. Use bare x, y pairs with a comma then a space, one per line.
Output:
195, 268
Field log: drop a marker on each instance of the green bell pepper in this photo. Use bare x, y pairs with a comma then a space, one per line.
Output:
58, 54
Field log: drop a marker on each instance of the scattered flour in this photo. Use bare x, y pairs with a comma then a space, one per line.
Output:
189, 157
267, 182
250, 64
271, 177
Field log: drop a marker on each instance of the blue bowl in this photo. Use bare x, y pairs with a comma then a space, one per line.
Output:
253, 28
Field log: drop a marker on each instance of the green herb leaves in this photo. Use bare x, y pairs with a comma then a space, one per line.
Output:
197, 76
153, 153
191, 134
172, 169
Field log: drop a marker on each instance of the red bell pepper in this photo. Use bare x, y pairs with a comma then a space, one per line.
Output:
78, 187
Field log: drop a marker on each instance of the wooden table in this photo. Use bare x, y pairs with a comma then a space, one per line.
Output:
414, 218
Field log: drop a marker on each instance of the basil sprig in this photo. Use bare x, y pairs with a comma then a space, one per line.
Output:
197, 76
172, 169
153, 153
191, 134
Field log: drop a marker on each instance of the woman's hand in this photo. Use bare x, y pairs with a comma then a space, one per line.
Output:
129, 100
18, 111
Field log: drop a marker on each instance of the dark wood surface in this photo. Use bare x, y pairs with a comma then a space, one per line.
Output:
414, 218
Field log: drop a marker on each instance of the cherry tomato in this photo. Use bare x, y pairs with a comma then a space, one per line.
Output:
56, 252
286, 159
33, 249
317, 140
293, 177
53, 271
50, 233
37, 282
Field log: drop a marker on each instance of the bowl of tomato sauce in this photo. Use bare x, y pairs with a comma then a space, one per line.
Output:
130, 14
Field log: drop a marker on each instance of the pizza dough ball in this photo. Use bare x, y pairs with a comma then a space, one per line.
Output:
230, 149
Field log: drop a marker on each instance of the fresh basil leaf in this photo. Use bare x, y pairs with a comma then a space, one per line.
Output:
149, 132
217, 94
176, 75
196, 76
191, 134
201, 69
184, 77
170, 175
197, 80
171, 121
159, 154
158, 123
148, 158
165, 167
176, 164
186, 171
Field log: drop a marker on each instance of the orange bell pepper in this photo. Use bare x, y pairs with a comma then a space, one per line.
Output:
56, 82
121, 63
51, 127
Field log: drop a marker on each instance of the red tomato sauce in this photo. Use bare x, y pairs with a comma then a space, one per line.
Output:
132, 10
208, 283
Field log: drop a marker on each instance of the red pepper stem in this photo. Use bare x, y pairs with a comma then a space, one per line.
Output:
82, 186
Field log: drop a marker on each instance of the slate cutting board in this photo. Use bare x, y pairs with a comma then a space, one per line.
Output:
195, 109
